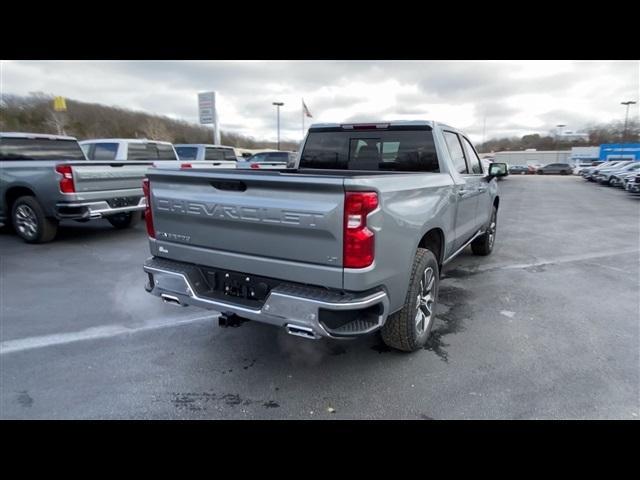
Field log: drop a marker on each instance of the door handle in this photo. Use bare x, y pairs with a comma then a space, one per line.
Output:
462, 192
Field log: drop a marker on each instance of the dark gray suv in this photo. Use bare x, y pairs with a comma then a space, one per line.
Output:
555, 168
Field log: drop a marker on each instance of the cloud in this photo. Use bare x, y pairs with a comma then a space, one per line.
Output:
518, 97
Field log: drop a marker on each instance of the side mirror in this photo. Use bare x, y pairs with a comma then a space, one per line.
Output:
498, 170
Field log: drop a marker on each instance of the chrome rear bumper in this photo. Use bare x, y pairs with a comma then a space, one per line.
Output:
90, 210
301, 310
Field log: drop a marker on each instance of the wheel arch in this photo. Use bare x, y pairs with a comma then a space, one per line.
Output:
434, 240
15, 192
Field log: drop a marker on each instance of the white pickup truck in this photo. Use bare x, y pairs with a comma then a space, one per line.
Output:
200, 155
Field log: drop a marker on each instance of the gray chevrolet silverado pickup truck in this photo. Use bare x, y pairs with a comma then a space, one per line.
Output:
47, 178
350, 239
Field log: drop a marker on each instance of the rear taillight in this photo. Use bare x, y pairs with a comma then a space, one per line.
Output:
186, 165
255, 165
359, 241
66, 182
148, 216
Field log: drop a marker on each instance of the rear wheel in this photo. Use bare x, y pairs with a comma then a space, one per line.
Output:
408, 329
30, 222
124, 220
483, 245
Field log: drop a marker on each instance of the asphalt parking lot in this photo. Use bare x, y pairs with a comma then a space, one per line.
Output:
546, 327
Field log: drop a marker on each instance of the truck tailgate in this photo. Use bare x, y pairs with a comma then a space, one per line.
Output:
101, 176
286, 217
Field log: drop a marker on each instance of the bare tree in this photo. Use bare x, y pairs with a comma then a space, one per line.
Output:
155, 129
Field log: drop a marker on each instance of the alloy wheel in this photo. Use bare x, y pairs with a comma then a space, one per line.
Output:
26, 221
425, 301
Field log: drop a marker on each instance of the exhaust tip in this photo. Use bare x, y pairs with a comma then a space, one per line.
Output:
171, 299
300, 331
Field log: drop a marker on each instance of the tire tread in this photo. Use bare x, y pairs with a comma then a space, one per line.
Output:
398, 329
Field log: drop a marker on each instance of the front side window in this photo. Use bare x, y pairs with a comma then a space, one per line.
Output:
456, 152
472, 157
14, 148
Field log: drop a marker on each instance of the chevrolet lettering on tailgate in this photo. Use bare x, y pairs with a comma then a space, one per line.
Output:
238, 212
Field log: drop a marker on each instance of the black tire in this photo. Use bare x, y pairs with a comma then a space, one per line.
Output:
564, 172
30, 222
483, 245
402, 331
125, 220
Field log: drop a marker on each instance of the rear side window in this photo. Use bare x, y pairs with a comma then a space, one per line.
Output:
219, 154
455, 151
187, 153
139, 151
391, 150
104, 151
39, 149
150, 151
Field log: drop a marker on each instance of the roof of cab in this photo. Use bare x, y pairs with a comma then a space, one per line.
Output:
35, 135
201, 145
129, 140
428, 123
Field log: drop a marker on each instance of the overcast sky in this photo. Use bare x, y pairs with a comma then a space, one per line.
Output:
515, 97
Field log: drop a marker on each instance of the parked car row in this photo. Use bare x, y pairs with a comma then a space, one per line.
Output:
615, 173
48, 178
197, 155
539, 169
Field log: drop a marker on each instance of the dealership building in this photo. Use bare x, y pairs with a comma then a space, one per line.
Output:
532, 157
576, 156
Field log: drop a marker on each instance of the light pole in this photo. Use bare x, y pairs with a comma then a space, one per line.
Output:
626, 118
557, 153
278, 105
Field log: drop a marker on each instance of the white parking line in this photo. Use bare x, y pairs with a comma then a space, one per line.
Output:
557, 261
573, 258
106, 331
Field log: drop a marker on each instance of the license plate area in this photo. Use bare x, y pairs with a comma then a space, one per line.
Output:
120, 202
238, 287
